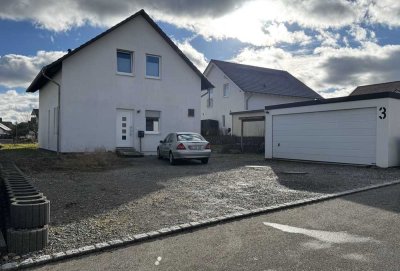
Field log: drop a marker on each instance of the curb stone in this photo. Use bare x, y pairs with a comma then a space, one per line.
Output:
138, 238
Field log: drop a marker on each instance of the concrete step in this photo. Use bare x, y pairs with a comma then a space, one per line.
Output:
128, 152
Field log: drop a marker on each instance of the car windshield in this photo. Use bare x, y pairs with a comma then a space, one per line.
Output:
190, 137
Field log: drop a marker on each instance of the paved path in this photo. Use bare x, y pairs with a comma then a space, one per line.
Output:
357, 232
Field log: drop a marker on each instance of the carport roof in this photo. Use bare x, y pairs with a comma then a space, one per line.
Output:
266, 81
337, 100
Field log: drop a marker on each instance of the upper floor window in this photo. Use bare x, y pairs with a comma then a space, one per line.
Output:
226, 90
153, 64
124, 62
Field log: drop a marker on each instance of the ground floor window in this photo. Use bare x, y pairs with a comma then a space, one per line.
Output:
153, 121
223, 120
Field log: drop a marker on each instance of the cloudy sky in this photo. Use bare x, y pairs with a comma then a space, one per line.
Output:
331, 45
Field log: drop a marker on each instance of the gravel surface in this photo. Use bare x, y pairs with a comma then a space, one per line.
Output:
90, 207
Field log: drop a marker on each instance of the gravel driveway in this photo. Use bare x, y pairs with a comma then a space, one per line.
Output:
89, 207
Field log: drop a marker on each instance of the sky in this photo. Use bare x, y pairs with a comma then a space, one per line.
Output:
331, 45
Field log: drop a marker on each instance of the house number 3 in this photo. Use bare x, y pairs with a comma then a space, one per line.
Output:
382, 110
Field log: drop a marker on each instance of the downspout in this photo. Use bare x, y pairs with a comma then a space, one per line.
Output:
58, 108
247, 100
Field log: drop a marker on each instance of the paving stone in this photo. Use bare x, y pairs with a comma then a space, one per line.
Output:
194, 223
127, 239
102, 245
165, 230
153, 233
9, 266
72, 252
184, 225
86, 248
42, 259
58, 255
176, 228
141, 236
26, 262
115, 242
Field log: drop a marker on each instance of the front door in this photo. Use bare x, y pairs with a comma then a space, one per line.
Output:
124, 128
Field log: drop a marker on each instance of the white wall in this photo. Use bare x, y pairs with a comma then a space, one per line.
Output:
393, 113
387, 142
92, 91
47, 131
222, 105
259, 101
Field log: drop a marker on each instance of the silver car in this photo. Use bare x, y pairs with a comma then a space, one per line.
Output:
184, 145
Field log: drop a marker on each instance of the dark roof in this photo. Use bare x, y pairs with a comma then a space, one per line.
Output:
264, 80
372, 96
376, 88
54, 67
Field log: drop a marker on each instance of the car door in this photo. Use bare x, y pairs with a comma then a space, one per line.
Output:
169, 142
163, 146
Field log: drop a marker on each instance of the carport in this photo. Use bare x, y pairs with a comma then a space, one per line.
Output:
362, 129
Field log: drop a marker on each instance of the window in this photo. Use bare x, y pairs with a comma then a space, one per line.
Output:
152, 121
226, 90
153, 66
55, 119
190, 112
124, 62
210, 101
223, 120
190, 137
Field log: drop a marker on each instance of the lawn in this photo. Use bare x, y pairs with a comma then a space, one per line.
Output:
30, 158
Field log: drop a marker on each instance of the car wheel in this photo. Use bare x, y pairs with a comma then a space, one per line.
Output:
204, 161
159, 153
172, 160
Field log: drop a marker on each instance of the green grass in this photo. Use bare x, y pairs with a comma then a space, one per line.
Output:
22, 146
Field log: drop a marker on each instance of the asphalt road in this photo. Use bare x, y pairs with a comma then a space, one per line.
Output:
357, 232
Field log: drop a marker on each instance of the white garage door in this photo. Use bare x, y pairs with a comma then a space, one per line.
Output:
343, 136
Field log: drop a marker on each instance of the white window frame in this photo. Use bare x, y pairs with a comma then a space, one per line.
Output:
132, 53
225, 94
156, 129
159, 67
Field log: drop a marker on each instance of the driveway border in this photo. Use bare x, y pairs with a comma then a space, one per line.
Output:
152, 235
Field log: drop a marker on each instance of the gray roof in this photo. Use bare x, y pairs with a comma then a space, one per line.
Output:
377, 88
54, 67
264, 80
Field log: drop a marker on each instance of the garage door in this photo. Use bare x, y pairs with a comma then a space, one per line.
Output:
343, 136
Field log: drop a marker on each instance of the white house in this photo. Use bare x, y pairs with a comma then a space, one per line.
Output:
360, 129
242, 87
128, 79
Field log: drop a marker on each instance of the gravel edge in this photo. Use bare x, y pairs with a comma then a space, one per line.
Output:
138, 238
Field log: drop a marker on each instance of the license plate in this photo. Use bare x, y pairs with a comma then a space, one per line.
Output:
194, 147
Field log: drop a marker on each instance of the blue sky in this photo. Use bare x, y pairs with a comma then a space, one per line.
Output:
332, 45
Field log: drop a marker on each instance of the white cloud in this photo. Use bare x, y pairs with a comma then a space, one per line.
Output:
19, 70
198, 59
331, 71
16, 106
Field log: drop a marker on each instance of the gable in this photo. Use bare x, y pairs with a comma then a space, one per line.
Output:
51, 69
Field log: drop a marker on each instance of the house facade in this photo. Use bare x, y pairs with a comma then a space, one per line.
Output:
129, 79
242, 87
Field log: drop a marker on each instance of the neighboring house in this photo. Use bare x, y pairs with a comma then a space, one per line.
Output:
242, 87
377, 88
129, 79
4, 130
7, 123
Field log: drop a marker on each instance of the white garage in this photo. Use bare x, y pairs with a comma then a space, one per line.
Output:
362, 129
